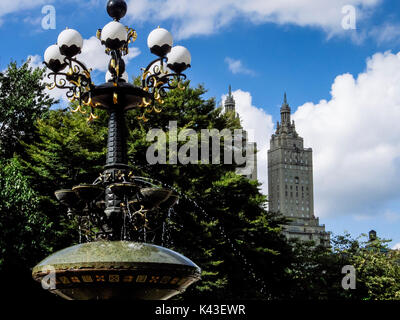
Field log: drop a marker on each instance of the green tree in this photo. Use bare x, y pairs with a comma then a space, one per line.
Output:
377, 270
316, 273
22, 101
25, 229
23, 226
67, 151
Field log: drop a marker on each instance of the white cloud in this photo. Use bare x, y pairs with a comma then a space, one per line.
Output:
391, 216
259, 126
35, 61
355, 139
236, 67
208, 16
385, 33
396, 246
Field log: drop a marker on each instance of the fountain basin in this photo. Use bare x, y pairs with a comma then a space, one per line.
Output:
118, 270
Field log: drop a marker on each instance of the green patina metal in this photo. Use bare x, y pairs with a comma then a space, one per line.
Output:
117, 270
114, 255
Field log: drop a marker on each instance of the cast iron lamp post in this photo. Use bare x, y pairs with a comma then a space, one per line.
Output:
117, 204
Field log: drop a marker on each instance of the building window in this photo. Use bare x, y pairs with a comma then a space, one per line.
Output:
296, 180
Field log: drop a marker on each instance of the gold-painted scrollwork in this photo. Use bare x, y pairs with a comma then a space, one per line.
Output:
78, 109
51, 86
156, 80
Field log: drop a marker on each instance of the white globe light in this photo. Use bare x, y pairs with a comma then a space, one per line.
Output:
160, 42
114, 35
54, 59
70, 42
179, 59
53, 53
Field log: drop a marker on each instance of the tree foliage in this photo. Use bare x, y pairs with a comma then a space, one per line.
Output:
22, 101
317, 273
377, 268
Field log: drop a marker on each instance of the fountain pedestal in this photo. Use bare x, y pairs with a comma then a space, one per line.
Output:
118, 270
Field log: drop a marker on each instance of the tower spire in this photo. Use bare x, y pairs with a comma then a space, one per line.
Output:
285, 112
230, 102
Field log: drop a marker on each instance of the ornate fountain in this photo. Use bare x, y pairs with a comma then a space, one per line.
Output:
117, 212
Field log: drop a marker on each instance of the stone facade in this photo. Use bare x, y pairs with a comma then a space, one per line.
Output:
290, 182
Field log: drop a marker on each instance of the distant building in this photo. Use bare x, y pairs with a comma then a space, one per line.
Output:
250, 171
290, 182
372, 244
371, 236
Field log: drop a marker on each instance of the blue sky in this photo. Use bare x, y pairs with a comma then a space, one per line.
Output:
342, 85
